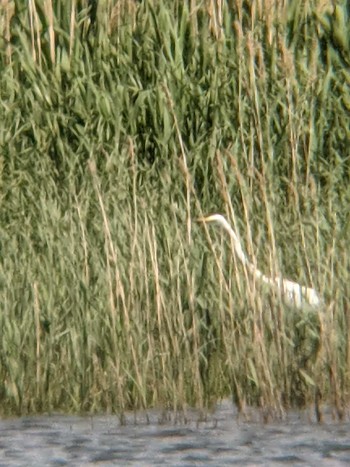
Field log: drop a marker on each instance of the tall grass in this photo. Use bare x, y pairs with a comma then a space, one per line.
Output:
119, 125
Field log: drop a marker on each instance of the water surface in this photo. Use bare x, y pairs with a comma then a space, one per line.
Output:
156, 438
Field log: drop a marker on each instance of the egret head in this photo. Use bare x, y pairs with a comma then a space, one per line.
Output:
212, 218
223, 222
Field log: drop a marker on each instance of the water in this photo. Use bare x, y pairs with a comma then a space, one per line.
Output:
152, 439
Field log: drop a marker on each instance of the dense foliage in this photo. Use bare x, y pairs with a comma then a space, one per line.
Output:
121, 122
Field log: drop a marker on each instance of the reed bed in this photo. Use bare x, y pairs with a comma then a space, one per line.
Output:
121, 122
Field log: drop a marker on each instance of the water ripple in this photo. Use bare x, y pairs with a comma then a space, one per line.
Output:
222, 439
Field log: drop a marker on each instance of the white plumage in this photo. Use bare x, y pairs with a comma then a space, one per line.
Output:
292, 292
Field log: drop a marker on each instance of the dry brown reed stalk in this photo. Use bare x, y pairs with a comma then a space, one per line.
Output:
116, 288
272, 12
214, 10
184, 161
35, 32
147, 309
253, 86
38, 338
347, 342
225, 195
263, 187
134, 223
72, 28
193, 9
152, 248
84, 240
48, 8
165, 338
7, 10
295, 134
110, 250
120, 12
134, 193
336, 381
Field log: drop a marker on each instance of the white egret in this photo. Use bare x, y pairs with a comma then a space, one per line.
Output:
292, 292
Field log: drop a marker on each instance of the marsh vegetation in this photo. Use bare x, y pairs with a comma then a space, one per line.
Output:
123, 121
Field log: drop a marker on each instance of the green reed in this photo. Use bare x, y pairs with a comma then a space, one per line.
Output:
118, 128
